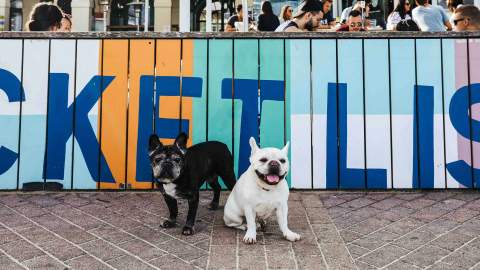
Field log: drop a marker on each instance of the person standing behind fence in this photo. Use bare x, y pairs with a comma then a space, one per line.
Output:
402, 12
430, 18
235, 18
285, 14
466, 18
306, 18
66, 23
45, 17
267, 21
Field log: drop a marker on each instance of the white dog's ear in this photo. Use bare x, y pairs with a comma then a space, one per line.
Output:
285, 148
253, 145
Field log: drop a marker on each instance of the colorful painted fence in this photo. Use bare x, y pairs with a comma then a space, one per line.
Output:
360, 113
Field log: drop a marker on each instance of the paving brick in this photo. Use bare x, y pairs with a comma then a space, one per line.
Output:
129, 262
370, 225
252, 262
440, 226
462, 259
16, 222
150, 235
30, 210
86, 262
429, 213
37, 234
425, 256
142, 249
62, 250
356, 251
21, 250
349, 236
7, 236
170, 262
7, 264
408, 196
462, 214
418, 203
364, 266
376, 239
283, 261
222, 257
357, 203
337, 256
414, 239
399, 265
443, 266
387, 203
451, 241
311, 262
102, 250
383, 256
43, 263
404, 226
182, 250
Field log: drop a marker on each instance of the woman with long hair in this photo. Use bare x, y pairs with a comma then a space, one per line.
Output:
285, 14
267, 21
45, 17
401, 12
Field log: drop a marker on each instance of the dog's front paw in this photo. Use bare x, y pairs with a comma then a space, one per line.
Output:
291, 236
168, 224
250, 237
187, 230
213, 206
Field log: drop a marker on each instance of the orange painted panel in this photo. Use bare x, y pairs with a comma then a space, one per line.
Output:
142, 56
187, 71
114, 112
168, 64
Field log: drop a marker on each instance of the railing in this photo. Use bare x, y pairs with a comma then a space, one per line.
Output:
361, 110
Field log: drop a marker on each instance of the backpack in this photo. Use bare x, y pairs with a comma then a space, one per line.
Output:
407, 25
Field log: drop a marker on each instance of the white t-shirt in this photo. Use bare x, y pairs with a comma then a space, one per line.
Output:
394, 18
430, 18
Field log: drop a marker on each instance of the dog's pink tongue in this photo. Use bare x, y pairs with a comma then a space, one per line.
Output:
272, 178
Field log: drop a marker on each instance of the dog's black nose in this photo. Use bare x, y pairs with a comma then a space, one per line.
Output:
274, 163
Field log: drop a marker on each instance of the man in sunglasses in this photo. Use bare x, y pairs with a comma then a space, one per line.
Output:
354, 22
306, 18
466, 18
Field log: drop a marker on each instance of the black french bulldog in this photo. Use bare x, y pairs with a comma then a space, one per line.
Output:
180, 172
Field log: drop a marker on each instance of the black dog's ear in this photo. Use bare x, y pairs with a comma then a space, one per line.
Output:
181, 141
154, 142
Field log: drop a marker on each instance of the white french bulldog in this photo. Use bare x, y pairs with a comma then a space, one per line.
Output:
261, 190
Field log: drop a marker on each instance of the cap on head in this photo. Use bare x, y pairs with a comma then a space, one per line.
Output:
308, 6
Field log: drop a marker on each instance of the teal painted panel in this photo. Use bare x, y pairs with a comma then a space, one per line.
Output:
288, 84
88, 55
377, 113
272, 120
245, 67
34, 111
219, 109
199, 105
324, 71
429, 73
350, 66
300, 125
402, 63
62, 60
10, 112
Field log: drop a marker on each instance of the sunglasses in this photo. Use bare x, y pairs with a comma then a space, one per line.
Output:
290, 10
358, 24
455, 22
407, 3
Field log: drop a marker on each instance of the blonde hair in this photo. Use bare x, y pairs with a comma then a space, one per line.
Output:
282, 13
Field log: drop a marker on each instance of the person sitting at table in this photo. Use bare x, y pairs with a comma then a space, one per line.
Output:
357, 6
235, 18
306, 18
328, 21
401, 12
354, 23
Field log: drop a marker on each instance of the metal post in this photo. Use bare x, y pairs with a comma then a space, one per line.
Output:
147, 15
209, 16
245, 15
184, 15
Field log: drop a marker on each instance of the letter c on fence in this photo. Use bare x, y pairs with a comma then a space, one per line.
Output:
10, 84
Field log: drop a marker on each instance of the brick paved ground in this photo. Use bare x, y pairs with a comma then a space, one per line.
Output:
340, 230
